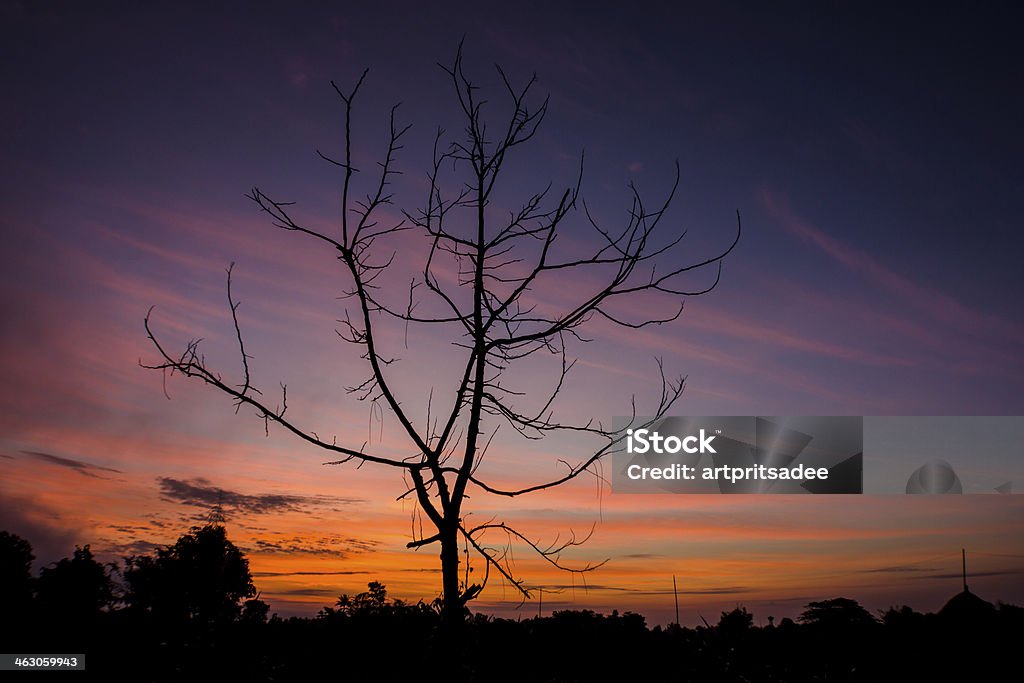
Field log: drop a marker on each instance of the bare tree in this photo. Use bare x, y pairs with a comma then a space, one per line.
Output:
493, 314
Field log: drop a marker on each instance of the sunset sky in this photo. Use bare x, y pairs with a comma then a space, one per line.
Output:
875, 157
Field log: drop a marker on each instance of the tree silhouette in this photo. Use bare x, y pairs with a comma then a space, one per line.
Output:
223, 635
75, 589
837, 613
487, 281
374, 603
15, 574
201, 579
736, 623
374, 599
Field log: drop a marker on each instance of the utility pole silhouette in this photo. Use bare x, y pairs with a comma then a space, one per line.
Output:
963, 555
675, 594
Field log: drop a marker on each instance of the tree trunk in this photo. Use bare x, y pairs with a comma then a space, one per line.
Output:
451, 601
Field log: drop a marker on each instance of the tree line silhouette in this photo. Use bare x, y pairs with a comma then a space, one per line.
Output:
192, 609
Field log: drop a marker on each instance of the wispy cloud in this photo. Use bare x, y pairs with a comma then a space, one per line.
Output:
199, 492
139, 547
354, 572
897, 569
80, 466
754, 330
953, 575
938, 305
327, 546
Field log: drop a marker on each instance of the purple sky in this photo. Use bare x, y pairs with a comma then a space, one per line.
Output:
874, 156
